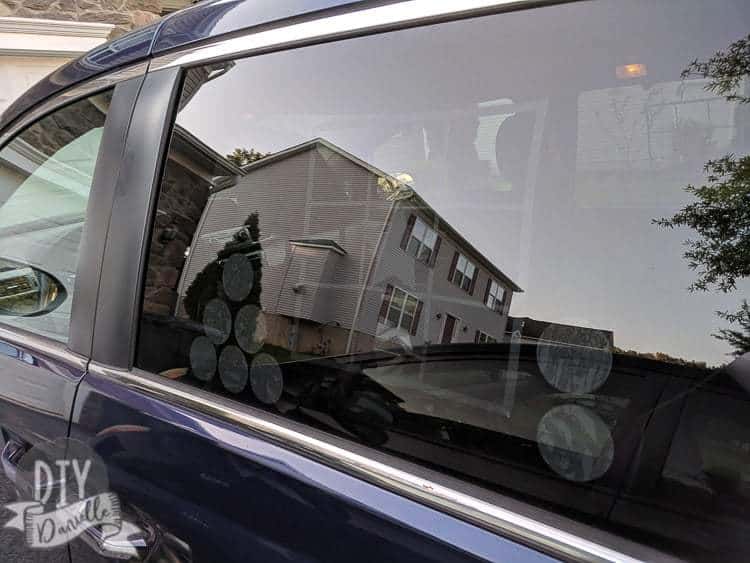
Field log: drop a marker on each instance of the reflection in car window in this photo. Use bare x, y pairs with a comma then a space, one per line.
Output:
45, 179
472, 254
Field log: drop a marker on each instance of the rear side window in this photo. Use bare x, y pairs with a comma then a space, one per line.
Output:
495, 247
45, 179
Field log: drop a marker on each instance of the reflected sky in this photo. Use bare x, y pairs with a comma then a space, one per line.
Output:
527, 141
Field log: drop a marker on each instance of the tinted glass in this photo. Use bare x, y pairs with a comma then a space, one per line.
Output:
45, 179
560, 341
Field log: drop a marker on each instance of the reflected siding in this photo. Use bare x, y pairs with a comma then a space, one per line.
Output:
396, 267
321, 217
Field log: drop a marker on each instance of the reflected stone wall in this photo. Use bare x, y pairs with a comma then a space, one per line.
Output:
61, 128
183, 197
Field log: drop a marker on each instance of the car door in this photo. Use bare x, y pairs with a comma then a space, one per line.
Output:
229, 484
54, 199
215, 483
202, 484
244, 393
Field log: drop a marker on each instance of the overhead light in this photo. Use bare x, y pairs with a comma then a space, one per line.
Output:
635, 70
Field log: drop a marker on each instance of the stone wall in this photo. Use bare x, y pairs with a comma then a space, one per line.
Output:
124, 14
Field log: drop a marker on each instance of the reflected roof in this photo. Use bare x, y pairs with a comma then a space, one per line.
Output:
324, 243
464, 245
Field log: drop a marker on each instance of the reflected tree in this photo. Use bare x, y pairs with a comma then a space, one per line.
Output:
242, 157
739, 339
660, 357
208, 283
720, 214
726, 70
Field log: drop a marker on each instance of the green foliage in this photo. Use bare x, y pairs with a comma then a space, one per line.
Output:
726, 70
242, 157
720, 214
738, 339
661, 357
721, 218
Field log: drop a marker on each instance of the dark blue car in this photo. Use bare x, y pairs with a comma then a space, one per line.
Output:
421, 280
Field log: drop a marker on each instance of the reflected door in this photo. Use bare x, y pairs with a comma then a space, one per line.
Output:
448, 329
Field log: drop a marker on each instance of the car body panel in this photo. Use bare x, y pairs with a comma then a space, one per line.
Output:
103, 405
37, 391
233, 496
211, 19
39, 376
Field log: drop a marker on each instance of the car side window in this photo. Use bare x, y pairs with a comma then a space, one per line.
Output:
470, 253
45, 179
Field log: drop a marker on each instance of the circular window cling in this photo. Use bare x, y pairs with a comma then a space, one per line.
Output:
249, 325
575, 442
217, 321
203, 358
233, 369
238, 277
266, 379
573, 359
250, 328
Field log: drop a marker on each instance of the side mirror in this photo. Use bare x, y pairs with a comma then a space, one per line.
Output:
26, 291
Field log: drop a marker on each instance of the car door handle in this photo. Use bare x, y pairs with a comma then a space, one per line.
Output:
12, 452
141, 542
10, 457
149, 542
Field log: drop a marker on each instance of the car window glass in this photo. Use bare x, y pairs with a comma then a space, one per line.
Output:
514, 259
45, 179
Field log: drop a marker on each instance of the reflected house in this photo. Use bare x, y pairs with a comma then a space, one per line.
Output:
352, 258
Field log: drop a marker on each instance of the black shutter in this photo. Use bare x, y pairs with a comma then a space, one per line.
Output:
433, 256
501, 306
407, 232
415, 322
453, 266
474, 280
386, 302
487, 290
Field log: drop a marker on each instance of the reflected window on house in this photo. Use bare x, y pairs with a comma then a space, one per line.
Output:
422, 240
464, 273
401, 309
495, 296
483, 338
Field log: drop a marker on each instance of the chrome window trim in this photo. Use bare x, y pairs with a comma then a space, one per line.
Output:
43, 346
405, 482
355, 23
67, 96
